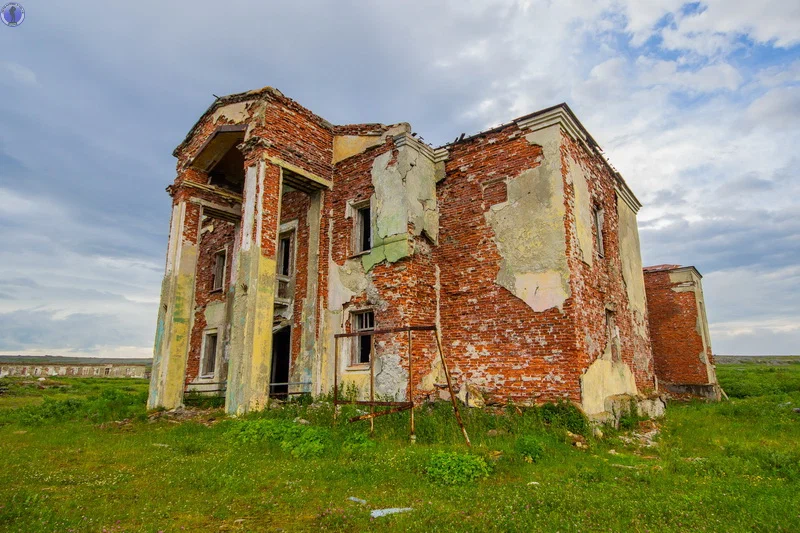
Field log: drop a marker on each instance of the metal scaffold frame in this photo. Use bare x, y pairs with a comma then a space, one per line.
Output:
395, 407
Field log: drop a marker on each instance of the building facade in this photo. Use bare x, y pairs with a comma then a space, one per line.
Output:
520, 244
91, 367
679, 328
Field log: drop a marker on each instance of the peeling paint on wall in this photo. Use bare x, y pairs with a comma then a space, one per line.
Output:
529, 230
605, 378
345, 146
583, 211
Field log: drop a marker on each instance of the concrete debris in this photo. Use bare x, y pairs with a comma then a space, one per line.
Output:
393, 510
357, 500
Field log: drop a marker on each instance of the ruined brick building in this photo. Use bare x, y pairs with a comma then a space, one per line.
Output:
519, 243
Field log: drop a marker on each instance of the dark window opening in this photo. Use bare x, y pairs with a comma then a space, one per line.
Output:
285, 266
228, 173
218, 278
362, 350
285, 254
209, 355
281, 359
363, 230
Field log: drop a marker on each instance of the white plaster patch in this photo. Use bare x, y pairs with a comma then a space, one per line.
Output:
540, 290
602, 379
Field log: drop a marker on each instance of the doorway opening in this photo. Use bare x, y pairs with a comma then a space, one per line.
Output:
281, 360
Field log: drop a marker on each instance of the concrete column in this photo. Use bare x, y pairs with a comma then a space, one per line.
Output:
175, 310
250, 363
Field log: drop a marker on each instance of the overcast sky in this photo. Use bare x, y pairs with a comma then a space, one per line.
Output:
698, 106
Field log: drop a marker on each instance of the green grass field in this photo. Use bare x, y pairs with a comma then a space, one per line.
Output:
82, 455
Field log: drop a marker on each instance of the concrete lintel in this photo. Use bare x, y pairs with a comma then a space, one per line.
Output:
212, 189
317, 182
234, 214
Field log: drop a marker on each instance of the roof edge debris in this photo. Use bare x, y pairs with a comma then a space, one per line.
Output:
256, 94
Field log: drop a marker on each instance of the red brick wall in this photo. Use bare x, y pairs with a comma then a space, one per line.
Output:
601, 284
211, 241
294, 206
677, 345
490, 336
404, 292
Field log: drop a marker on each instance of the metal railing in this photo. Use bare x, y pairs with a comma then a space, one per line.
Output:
395, 407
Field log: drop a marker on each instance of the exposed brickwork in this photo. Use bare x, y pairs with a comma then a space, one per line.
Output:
215, 235
493, 339
600, 286
677, 343
294, 206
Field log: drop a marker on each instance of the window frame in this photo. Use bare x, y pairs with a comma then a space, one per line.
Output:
290, 235
357, 344
223, 252
357, 233
598, 221
201, 374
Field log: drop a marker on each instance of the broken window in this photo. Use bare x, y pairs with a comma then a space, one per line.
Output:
597, 219
362, 230
362, 345
285, 273
209, 362
218, 278
285, 255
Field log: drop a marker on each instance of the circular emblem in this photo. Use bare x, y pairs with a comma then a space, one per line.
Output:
12, 14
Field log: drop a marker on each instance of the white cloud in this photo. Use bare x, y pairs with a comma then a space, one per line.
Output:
706, 141
18, 74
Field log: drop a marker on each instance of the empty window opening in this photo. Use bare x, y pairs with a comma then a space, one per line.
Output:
209, 363
285, 254
281, 362
362, 230
597, 218
218, 279
362, 345
228, 173
107, 371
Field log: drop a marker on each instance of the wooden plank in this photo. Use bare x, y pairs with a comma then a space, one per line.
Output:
383, 331
371, 416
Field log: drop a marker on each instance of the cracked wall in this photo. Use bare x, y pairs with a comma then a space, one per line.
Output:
529, 230
505, 297
613, 341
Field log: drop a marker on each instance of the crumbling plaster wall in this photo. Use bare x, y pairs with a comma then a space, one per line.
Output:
505, 305
209, 306
396, 278
529, 229
616, 357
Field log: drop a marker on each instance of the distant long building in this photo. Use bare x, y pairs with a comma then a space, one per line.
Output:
42, 366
